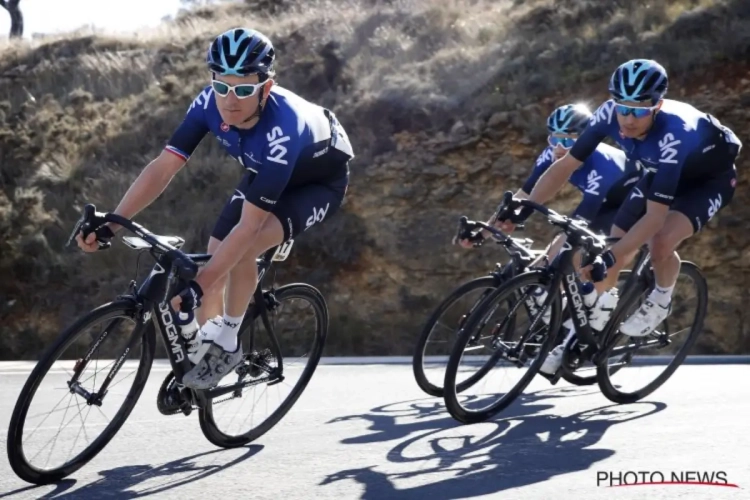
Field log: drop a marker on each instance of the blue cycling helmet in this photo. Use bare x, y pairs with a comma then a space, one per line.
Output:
241, 52
568, 119
639, 80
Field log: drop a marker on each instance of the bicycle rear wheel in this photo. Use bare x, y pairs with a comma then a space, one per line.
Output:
72, 377
466, 298
661, 341
258, 366
513, 294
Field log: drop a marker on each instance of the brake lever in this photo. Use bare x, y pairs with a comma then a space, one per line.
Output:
461, 228
87, 214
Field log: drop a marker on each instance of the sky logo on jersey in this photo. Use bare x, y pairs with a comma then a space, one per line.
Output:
277, 152
545, 156
592, 182
317, 216
667, 147
603, 113
714, 206
202, 99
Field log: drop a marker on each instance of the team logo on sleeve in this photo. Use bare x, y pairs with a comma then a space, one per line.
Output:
277, 151
603, 113
545, 156
201, 99
592, 182
668, 147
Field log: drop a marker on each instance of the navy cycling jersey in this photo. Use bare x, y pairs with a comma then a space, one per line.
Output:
673, 149
295, 142
604, 168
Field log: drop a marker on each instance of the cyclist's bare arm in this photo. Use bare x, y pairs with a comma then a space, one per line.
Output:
151, 182
554, 179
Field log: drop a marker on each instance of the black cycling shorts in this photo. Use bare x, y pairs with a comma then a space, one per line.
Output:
698, 200
298, 208
603, 221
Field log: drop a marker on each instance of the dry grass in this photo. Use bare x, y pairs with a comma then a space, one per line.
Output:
81, 114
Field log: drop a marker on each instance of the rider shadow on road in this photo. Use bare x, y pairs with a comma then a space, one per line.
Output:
520, 448
119, 482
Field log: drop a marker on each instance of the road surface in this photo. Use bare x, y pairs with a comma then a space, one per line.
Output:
368, 432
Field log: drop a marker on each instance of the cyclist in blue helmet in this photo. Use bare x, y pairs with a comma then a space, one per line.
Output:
604, 181
690, 176
296, 156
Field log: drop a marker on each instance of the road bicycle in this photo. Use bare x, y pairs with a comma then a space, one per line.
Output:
146, 306
448, 321
559, 278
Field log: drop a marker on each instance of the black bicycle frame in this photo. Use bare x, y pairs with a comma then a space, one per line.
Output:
564, 273
153, 295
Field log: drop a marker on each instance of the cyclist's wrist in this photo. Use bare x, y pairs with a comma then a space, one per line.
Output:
609, 258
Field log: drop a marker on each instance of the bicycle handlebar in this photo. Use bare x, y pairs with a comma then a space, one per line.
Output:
591, 241
183, 266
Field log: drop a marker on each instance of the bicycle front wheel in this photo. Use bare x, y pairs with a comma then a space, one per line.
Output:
675, 336
441, 331
504, 351
66, 377
224, 418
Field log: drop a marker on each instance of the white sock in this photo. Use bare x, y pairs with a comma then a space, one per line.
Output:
227, 339
661, 296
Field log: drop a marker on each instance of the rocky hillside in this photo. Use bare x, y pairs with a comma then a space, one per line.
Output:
445, 102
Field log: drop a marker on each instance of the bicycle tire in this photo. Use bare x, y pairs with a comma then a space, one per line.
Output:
16, 456
502, 293
206, 417
488, 282
603, 376
580, 380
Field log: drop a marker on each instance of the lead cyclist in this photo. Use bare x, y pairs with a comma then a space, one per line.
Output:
689, 157
296, 156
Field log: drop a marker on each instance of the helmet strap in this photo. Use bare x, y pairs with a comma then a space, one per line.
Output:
261, 105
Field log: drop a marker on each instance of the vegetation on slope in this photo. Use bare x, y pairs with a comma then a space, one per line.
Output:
443, 99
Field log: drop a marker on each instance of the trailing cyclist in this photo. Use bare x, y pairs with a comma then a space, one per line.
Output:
604, 180
689, 158
297, 159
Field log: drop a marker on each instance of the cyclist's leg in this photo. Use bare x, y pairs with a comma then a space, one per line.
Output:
212, 303
691, 210
297, 209
632, 209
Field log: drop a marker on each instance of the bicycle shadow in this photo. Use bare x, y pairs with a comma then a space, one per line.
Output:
520, 449
118, 482
418, 414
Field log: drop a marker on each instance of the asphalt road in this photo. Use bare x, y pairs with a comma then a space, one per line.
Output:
368, 432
